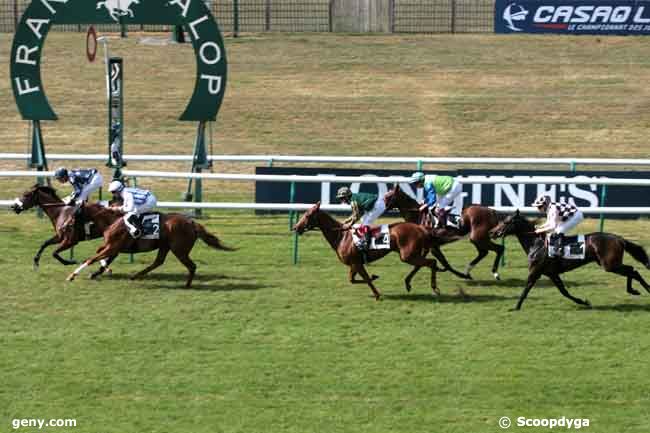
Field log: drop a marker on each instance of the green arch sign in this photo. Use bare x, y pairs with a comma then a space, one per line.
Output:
193, 15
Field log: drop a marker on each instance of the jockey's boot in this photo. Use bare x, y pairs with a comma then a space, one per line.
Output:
557, 239
367, 238
441, 215
135, 226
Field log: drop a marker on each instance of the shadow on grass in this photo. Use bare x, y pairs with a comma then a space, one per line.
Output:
447, 298
520, 283
201, 282
624, 308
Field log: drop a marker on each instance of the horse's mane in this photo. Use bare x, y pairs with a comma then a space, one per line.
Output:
45, 188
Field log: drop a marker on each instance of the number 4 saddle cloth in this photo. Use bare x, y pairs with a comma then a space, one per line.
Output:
379, 237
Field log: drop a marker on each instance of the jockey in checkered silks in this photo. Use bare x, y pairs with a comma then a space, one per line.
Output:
366, 206
560, 219
135, 202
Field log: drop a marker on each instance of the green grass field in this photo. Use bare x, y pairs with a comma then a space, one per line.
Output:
262, 346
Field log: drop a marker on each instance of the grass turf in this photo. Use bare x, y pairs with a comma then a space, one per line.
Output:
261, 345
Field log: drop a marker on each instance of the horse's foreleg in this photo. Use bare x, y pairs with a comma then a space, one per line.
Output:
560, 285
37, 258
358, 268
532, 279
441, 257
499, 250
105, 253
65, 245
104, 266
419, 262
352, 274
409, 277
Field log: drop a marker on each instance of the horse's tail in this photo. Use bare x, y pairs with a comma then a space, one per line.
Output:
637, 252
209, 238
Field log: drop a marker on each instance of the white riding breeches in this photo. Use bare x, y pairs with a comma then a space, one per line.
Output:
147, 206
567, 225
94, 184
378, 209
448, 199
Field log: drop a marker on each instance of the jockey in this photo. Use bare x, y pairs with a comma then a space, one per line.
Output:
370, 204
560, 218
439, 192
135, 201
83, 181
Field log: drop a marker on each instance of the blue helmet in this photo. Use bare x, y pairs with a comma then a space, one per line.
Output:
61, 173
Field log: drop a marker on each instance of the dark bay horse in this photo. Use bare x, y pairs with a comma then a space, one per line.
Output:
178, 234
475, 220
411, 241
66, 234
606, 249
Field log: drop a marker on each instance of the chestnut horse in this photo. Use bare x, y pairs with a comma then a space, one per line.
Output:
603, 248
66, 234
178, 233
475, 220
410, 240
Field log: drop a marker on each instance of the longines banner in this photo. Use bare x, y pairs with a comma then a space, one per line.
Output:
577, 17
583, 196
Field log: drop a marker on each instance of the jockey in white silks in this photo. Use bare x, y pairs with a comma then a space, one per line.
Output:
560, 219
135, 202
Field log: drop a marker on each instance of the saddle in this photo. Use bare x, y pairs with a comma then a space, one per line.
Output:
379, 237
571, 248
150, 224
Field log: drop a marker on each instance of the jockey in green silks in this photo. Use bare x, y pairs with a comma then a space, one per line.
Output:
366, 206
439, 193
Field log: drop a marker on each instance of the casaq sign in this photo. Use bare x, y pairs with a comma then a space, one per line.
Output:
576, 17
509, 194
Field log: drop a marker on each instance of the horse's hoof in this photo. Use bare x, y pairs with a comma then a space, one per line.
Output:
408, 288
374, 277
108, 271
436, 291
71, 277
587, 304
497, 276
634, 292
35, 265
511, 310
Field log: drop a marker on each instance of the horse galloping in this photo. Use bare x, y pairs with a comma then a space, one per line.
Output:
177, 234
61, 216
606, 249
475, 220
411, 241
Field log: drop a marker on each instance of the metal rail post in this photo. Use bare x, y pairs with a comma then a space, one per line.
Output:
292, 214
603, 198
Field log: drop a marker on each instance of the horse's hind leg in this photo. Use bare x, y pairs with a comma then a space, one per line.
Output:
358, 268
631, 273
352, 273
160, 259
560, 285
184, 258
481, 255
104, 253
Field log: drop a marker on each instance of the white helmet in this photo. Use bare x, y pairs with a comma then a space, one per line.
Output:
542, 200
416, 177
115, 186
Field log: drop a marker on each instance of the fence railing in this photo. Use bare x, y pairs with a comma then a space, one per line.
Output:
407, 16
572, 163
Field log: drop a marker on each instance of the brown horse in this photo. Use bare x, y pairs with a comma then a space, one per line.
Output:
475, 220
603, 248
61, 216
410, 240
177, 234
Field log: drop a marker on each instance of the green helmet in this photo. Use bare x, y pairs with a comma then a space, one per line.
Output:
343, 192
416, 177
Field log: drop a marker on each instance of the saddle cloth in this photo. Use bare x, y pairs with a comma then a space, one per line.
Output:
150, 226
573, 248
380, 237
